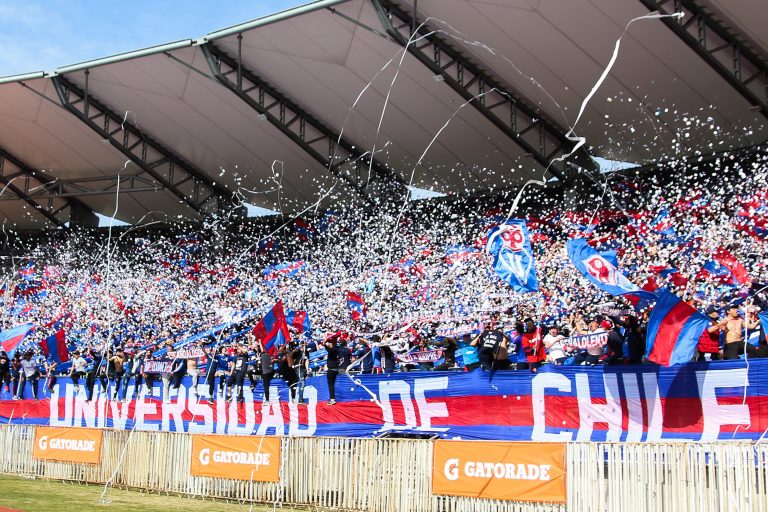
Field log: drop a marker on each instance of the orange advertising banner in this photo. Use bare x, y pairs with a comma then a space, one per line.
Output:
68, 444
500, 470
236, 457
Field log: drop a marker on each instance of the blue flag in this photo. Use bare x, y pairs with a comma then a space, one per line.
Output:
601, 271
510, 245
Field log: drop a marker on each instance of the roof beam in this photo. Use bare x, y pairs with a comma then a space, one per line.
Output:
169, 170
718, 45
507, 109
323, 144
91, 186
24, 193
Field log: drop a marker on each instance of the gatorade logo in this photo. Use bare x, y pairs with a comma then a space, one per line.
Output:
451, 469
43, 443
205, 456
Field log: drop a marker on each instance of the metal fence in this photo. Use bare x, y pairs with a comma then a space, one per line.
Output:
394, 474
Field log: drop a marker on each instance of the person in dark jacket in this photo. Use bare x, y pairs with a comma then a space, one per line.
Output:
333, 368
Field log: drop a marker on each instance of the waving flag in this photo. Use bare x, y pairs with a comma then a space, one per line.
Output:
304, 230
717, 272
355, 305
56, 347
764, 321
272, 330
729, 261
674, 329
510, 245
299, 320
600, 271
288, 269
455, 254
10, 339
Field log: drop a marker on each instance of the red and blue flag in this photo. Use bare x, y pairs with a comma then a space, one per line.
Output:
272, 330
355, 305
12, 338
55, 346
674, 329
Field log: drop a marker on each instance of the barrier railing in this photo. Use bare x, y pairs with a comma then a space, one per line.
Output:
395, 474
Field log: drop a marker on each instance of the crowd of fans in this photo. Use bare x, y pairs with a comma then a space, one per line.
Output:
126, 297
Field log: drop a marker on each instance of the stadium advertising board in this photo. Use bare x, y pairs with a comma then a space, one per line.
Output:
68, 444
236, 457
500, 470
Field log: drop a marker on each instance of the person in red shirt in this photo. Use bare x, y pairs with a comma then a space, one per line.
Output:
709, 342
533, 346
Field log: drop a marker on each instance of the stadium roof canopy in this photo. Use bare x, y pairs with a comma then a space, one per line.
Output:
482, 99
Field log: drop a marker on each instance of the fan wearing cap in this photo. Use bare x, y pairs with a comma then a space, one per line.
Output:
709, 342
734, 334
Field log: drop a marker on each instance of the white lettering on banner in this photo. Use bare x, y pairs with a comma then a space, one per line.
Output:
294, 429
716, 415
539, 383
157, 367
145, 407
74, 445
500, 470
427, 410
634, 407
233, 427
423, 402
396, 387
175, 410
272, 415
586, 340
429, 356
653, 406
226, 457
202, 411
591, 413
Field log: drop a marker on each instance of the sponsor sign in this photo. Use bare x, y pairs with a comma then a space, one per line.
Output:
68, 444
428, 356
236, 457
500, 470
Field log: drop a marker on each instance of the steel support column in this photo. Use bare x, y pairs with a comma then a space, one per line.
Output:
508, 110
169, 170
318, 140
741, 66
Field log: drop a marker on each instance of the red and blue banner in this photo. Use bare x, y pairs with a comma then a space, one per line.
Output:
704, 401
11, 338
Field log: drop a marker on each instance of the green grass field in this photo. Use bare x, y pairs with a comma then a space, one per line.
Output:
35, 495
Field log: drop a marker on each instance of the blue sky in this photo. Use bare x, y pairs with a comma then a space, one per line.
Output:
41, 35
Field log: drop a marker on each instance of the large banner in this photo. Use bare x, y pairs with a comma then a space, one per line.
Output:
68, 444
239, 457
500, 470
691, 402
